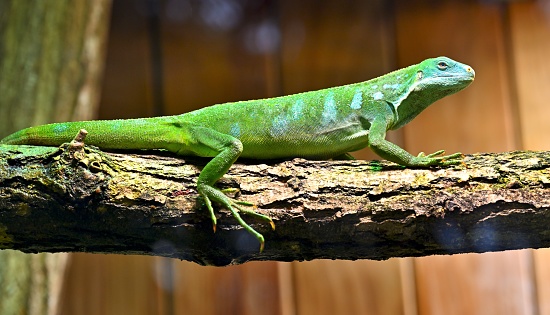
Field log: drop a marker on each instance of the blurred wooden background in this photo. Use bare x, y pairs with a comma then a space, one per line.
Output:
173, 56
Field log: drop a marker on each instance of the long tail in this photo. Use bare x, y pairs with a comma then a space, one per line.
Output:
108, 134
52, 134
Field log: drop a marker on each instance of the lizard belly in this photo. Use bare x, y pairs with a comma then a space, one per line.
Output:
313, 145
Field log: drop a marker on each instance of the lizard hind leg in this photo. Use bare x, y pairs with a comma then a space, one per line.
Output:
226, 149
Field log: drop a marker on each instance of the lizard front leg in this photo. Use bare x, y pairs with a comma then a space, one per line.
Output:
226, 149
394, 153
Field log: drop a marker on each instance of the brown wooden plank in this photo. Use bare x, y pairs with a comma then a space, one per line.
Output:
212, 56
243, 289
348, 287
109, 284
408, 286
287, 288
477, 119
480, 117
126, 90
326, 44
530, 31
541, 259
334, 43
495, 283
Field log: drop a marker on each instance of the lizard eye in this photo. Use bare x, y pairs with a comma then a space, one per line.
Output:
442, 65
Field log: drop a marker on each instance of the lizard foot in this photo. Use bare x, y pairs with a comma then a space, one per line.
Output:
435, 159
238, 203
236, 207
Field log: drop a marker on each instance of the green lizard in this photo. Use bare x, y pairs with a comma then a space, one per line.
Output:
321, 124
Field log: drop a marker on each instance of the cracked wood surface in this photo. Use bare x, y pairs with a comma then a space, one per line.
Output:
65, 200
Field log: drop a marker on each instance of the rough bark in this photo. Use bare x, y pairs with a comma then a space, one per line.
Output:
87, 200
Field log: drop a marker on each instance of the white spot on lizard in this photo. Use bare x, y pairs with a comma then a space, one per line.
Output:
391, 86
329, 110
357, 100
279, 127
296, 111
60, 128
378, 96
235, 130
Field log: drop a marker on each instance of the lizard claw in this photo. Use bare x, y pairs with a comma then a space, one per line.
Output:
236, 207
423, 160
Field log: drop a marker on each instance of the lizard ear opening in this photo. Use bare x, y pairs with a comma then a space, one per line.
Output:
419, 75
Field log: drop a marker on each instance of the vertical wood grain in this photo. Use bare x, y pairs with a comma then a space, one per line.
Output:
477, 119
492, 283
127, 91
216, 54
334, 42
348, 287
408, 286
287, 289
245, 289
480, 117
530, 33
110, 284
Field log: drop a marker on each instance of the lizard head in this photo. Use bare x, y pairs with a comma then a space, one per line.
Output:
443, 76
434, 79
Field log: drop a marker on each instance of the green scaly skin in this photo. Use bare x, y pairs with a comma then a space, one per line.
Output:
321, 124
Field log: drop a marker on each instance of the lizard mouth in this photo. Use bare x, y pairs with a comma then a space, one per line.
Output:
470, 77
471, 71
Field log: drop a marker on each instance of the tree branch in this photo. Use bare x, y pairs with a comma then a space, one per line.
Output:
56, 200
